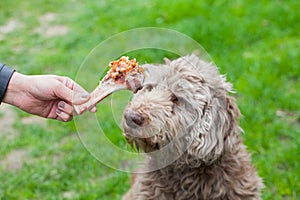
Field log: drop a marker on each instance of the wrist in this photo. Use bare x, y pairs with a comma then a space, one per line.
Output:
14, 89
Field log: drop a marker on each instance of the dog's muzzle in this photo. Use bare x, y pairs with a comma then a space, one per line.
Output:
134, 119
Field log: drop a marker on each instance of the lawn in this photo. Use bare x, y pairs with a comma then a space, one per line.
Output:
256, 44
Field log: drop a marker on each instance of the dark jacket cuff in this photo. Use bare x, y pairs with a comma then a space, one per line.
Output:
5, 75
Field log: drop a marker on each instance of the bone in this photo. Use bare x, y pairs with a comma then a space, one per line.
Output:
132, 80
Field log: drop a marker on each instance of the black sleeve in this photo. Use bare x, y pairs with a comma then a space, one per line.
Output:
5, 75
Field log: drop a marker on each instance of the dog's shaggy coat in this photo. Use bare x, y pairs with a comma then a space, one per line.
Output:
187, 98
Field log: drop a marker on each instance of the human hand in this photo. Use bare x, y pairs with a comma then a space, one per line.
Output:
48, 96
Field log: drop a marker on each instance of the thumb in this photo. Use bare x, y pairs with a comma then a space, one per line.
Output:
74, 97
80, 97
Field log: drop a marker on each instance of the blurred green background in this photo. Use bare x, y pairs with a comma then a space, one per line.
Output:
256, 44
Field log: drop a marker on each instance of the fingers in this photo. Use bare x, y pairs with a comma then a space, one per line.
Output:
64, 107
80, 98
71, 92
62, 116
71, 96
79, 95
65, 111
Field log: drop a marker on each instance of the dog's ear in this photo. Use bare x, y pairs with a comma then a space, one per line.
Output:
217, 131
231, 130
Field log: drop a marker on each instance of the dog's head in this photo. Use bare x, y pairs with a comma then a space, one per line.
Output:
185, 98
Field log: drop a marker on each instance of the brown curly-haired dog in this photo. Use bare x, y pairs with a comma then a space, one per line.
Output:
185, 113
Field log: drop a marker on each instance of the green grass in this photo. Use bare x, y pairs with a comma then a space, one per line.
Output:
257, 44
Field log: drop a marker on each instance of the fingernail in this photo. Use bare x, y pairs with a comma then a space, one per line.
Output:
84, 96
80, 97
58, 111
61, 104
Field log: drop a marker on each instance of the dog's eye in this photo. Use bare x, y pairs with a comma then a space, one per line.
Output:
174, 99
149, 88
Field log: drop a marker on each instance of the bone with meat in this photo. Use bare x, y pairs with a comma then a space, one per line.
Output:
123, 74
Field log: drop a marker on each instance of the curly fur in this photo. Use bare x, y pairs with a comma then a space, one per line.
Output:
188, 98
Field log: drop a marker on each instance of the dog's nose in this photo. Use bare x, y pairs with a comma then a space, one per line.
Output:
134, 119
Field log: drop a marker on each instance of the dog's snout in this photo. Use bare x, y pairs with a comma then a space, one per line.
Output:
134, 119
